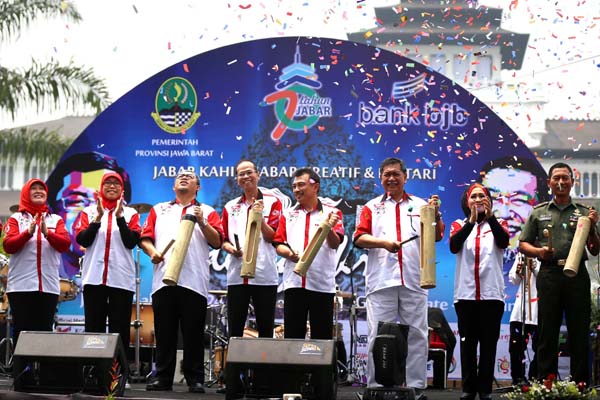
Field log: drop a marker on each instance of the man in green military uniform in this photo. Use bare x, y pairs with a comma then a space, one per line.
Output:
557, 220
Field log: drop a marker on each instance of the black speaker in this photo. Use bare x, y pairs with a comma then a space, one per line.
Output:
389, 354
52, 362
264, 367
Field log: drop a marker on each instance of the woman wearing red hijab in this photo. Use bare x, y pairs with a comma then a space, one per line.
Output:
478, 241
35, 238
109, 231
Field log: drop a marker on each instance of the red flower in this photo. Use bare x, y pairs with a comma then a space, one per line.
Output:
548, 384
551, 377
581, 386
525, 388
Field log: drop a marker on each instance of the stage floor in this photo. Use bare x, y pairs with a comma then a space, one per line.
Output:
137, 391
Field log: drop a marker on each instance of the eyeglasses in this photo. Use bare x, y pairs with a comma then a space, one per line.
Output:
112, 183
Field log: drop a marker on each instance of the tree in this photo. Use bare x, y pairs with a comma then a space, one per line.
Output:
45, 84
46, 147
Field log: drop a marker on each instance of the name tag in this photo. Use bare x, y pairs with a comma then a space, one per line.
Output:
545, 218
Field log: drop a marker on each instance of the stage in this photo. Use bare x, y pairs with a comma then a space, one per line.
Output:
137, 391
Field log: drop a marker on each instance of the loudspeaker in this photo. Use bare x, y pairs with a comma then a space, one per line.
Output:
263, 367
389, 354
52, 362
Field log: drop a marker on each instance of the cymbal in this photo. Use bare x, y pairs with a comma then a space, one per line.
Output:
14, 208
141, 208
343, 295
218, 292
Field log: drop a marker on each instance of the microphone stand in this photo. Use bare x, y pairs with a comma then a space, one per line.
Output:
524, 290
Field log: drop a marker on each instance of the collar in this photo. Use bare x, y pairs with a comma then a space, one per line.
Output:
571, 203
405, 197
177, 201
318, 208
243, 197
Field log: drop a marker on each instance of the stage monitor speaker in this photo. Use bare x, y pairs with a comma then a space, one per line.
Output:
263, 367
51, 362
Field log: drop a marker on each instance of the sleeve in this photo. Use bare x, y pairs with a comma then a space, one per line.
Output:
512, 274
148, 228
225, 223
130, 233
13, 239
365, 224
280, 234
529, 231
274, 215
85, 233
458, 234
500, 231
339, 227
215, 221
59, 237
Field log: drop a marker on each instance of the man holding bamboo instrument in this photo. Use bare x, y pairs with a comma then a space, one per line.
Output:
309, 292
389, 226
251, 274
559, 293
183, 303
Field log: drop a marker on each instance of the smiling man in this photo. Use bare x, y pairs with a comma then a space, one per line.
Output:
262, 289
185, 303
393, 271
312, 295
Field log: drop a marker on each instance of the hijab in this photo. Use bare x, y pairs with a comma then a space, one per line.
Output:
25, 203
110, 204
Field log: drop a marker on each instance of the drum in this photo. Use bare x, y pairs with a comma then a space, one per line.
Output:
146, 325
220, 360
68, 290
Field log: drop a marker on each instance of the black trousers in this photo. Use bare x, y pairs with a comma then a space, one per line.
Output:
300, 304
101, 302
517, 348
32, 311
559, 294
176, 306
263, 299
478, 324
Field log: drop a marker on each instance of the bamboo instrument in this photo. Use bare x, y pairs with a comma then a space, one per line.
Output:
184, 235
427, 247
529, 273
312, 249
251, 244
577, 246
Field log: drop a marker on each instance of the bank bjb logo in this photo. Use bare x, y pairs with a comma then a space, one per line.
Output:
175, 105
297, 104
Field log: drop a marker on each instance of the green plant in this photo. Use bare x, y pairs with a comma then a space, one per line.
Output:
550, 389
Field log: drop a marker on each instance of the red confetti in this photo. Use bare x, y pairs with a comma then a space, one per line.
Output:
245, 7
186, 68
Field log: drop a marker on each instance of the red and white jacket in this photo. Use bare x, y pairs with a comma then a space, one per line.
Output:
383, 217
296, 229
107, 261
235, 219
479, 264
35, 260
162, 225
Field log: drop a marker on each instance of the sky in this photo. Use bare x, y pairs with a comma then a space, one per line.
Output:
126, 42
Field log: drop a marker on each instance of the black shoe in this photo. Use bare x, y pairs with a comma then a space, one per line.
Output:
485, 396
467, 396
196, 388
159, 386
221, 390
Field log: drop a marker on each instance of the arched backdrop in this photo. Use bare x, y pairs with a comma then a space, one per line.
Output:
335, 105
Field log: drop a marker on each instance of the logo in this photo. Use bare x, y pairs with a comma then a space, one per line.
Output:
503, 365
175, 104
410, 87
94, 342
297, 104
311, 349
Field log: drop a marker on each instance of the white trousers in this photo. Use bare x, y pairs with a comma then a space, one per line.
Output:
407, 307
